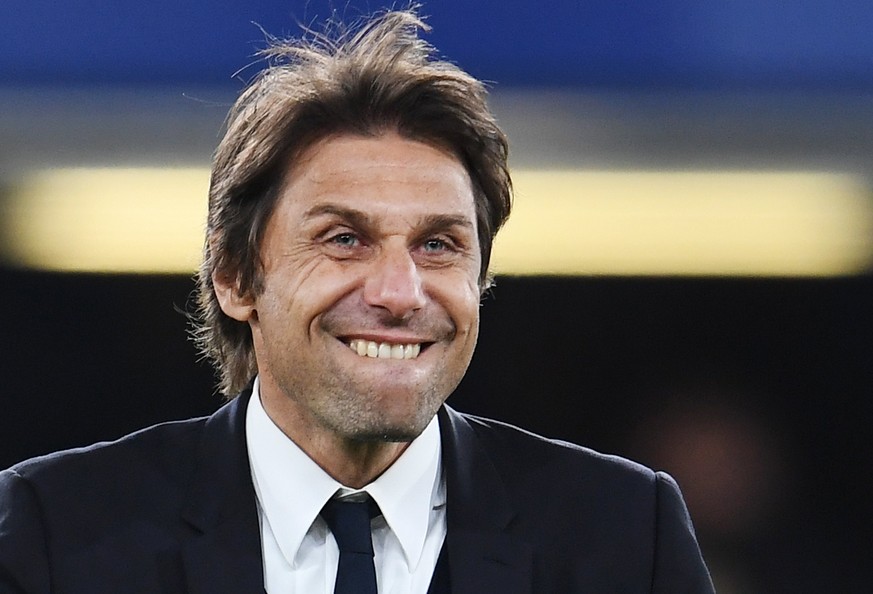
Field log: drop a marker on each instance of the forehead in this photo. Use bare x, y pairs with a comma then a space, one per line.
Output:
386, 169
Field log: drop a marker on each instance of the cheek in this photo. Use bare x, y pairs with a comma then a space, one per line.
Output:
304, 291
462, 304
473, 334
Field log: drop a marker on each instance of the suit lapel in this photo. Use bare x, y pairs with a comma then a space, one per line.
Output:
224, 554
225, 560
483, 554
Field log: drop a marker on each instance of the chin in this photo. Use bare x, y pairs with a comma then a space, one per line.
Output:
392, 435
404, 427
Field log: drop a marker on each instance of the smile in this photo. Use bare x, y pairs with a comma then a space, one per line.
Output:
384, 350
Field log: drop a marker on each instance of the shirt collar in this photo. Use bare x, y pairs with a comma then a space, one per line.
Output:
406, 492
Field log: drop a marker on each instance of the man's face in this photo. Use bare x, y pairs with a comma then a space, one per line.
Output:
370, 309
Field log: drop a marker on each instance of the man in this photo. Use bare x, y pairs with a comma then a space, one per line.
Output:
353, 203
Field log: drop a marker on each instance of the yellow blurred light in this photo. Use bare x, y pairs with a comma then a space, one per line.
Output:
151, 220
139, 220
687, 223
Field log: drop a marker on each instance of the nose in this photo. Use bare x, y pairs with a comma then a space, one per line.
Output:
394, 283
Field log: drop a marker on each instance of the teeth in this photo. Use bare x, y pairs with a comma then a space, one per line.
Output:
375, 350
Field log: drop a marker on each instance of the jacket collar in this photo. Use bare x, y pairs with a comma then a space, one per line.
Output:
483, 554
224, 556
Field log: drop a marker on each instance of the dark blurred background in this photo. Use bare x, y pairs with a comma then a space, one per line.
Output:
754, 391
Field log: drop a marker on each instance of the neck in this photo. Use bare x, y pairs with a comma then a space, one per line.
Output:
357, 464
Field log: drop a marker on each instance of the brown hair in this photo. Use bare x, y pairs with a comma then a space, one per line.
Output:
367, 80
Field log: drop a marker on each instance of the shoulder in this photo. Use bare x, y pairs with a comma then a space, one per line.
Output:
96, 514
155, 460
589, 518
151, 446
523, 453
544, 478
562, 491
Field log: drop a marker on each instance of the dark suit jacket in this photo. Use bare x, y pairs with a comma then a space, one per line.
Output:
172, 509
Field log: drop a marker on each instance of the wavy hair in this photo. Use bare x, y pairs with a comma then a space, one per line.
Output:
376, 77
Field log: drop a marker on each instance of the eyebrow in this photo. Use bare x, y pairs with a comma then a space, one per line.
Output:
441, 222
356, 217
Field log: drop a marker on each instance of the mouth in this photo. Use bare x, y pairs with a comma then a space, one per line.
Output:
386, 350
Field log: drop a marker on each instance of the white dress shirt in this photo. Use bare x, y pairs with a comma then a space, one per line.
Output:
299, 552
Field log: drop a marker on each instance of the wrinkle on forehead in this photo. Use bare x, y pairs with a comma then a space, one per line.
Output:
354, 154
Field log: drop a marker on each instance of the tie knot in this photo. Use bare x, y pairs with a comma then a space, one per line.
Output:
349, 521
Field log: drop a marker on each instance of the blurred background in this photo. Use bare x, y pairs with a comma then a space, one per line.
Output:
687, 280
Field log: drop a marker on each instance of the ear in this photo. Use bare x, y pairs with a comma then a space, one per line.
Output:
239, 307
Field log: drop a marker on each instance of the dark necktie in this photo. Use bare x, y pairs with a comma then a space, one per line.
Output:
349, 521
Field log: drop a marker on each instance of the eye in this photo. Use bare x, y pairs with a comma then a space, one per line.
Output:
435, 245
345, 240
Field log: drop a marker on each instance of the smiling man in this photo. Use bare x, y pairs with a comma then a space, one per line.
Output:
368, 312
353, 202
